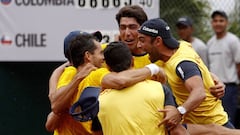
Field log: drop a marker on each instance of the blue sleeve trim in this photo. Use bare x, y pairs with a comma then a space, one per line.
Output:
187, 69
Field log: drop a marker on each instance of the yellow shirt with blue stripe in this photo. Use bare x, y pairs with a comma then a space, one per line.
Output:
210, 110
120, 110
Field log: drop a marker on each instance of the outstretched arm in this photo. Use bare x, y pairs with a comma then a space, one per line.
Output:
210, 129
129, 77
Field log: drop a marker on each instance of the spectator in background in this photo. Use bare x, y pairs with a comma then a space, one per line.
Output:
185, 32
224, 60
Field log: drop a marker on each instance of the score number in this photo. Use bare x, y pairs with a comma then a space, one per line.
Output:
104, 4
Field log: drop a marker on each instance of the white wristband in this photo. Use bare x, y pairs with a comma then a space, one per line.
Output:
154, 69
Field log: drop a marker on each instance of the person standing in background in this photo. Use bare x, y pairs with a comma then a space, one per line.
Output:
185, 32
224, 60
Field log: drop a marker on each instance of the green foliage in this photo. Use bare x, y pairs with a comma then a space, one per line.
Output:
197, 10
235, 28
234, 19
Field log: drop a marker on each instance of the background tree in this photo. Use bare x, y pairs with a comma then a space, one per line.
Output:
197, 10
234, 19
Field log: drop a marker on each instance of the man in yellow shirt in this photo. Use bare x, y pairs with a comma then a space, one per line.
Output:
51, 123
188, 77
64, 96
131, 110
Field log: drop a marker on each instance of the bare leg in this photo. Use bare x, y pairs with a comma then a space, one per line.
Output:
210, 129
179, 130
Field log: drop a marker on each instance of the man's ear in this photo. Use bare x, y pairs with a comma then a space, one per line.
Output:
158, 41
87, 56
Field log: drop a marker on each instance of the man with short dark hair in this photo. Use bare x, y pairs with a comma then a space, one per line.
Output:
85, 54
224, 60
132, 110
129, 19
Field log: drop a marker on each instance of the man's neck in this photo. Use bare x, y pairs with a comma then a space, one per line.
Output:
169, 54
190, 39
221, 34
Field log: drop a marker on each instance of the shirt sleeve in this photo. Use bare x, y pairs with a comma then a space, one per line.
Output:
169, 98
95, 77
96, 125
235, 48
67, 76
187, 69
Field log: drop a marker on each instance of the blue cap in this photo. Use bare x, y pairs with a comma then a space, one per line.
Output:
219, 12
87, 106
158, 27
74, 34
186, 21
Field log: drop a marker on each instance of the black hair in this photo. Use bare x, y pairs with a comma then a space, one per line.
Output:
78, 46
118, 56
134, 11
220, 13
